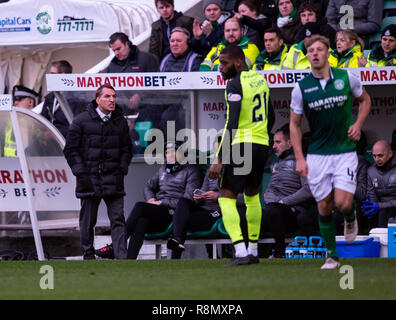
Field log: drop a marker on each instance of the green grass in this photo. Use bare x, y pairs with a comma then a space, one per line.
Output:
198, 279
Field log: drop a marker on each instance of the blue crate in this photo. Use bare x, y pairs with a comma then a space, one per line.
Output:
358, 249
392, 240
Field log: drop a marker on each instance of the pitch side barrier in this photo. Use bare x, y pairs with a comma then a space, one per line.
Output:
203, 108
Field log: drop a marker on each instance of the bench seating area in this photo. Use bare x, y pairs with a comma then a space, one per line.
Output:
217, 235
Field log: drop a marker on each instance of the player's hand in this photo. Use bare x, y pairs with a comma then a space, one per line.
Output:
210, 195
302, 168
354, 132
215, 170
154, 201
198, 197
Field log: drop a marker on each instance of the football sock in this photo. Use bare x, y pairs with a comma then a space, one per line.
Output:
328, 230
231, 219
240, 250
253, 216
252, 249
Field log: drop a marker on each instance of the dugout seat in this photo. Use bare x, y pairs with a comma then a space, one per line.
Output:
212, 232
160, 235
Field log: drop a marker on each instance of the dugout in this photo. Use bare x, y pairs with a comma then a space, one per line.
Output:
201, 108
194, 101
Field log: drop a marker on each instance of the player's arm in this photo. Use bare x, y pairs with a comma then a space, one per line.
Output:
234, 100
364, 100
296, 113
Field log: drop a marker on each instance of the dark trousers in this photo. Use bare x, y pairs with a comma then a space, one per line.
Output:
282, 219
88, 218
384, 215
189, 216
145, 218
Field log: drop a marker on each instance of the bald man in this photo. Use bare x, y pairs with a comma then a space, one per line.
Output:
381, 185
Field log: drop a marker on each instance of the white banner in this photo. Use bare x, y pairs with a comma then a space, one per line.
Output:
53, 185
196, 80
211, 109
5, 102
45, 21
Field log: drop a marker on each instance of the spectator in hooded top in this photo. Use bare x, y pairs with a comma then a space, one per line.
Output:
275, 52
255, 23
349, 52
384, 54
297, 55
307, 12
233, 35
211, 31
161, 29
363, 16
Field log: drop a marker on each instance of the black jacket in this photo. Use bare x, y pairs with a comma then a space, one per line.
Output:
99, 153
137, 61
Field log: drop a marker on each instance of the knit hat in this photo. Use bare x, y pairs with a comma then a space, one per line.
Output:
390, 31
311, 28
205, 3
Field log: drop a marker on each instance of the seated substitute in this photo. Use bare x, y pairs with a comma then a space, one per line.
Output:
172, 182
381, 185
289, 204
197, 214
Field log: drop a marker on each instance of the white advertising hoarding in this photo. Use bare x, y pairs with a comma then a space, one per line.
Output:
53, 185
46, 21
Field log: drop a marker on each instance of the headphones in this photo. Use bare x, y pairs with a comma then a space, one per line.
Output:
182, 30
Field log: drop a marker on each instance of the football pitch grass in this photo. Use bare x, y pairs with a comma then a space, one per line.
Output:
199, 279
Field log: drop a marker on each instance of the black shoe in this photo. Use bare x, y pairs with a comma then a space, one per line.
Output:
89, 257
106, 252
174, 245
239, 261
253, 259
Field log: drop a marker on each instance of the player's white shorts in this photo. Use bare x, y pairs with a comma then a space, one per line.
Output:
328, 172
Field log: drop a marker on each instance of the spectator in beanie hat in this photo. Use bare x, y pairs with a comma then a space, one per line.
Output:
211, 31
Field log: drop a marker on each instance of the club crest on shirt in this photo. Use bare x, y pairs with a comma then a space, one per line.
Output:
339, 84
